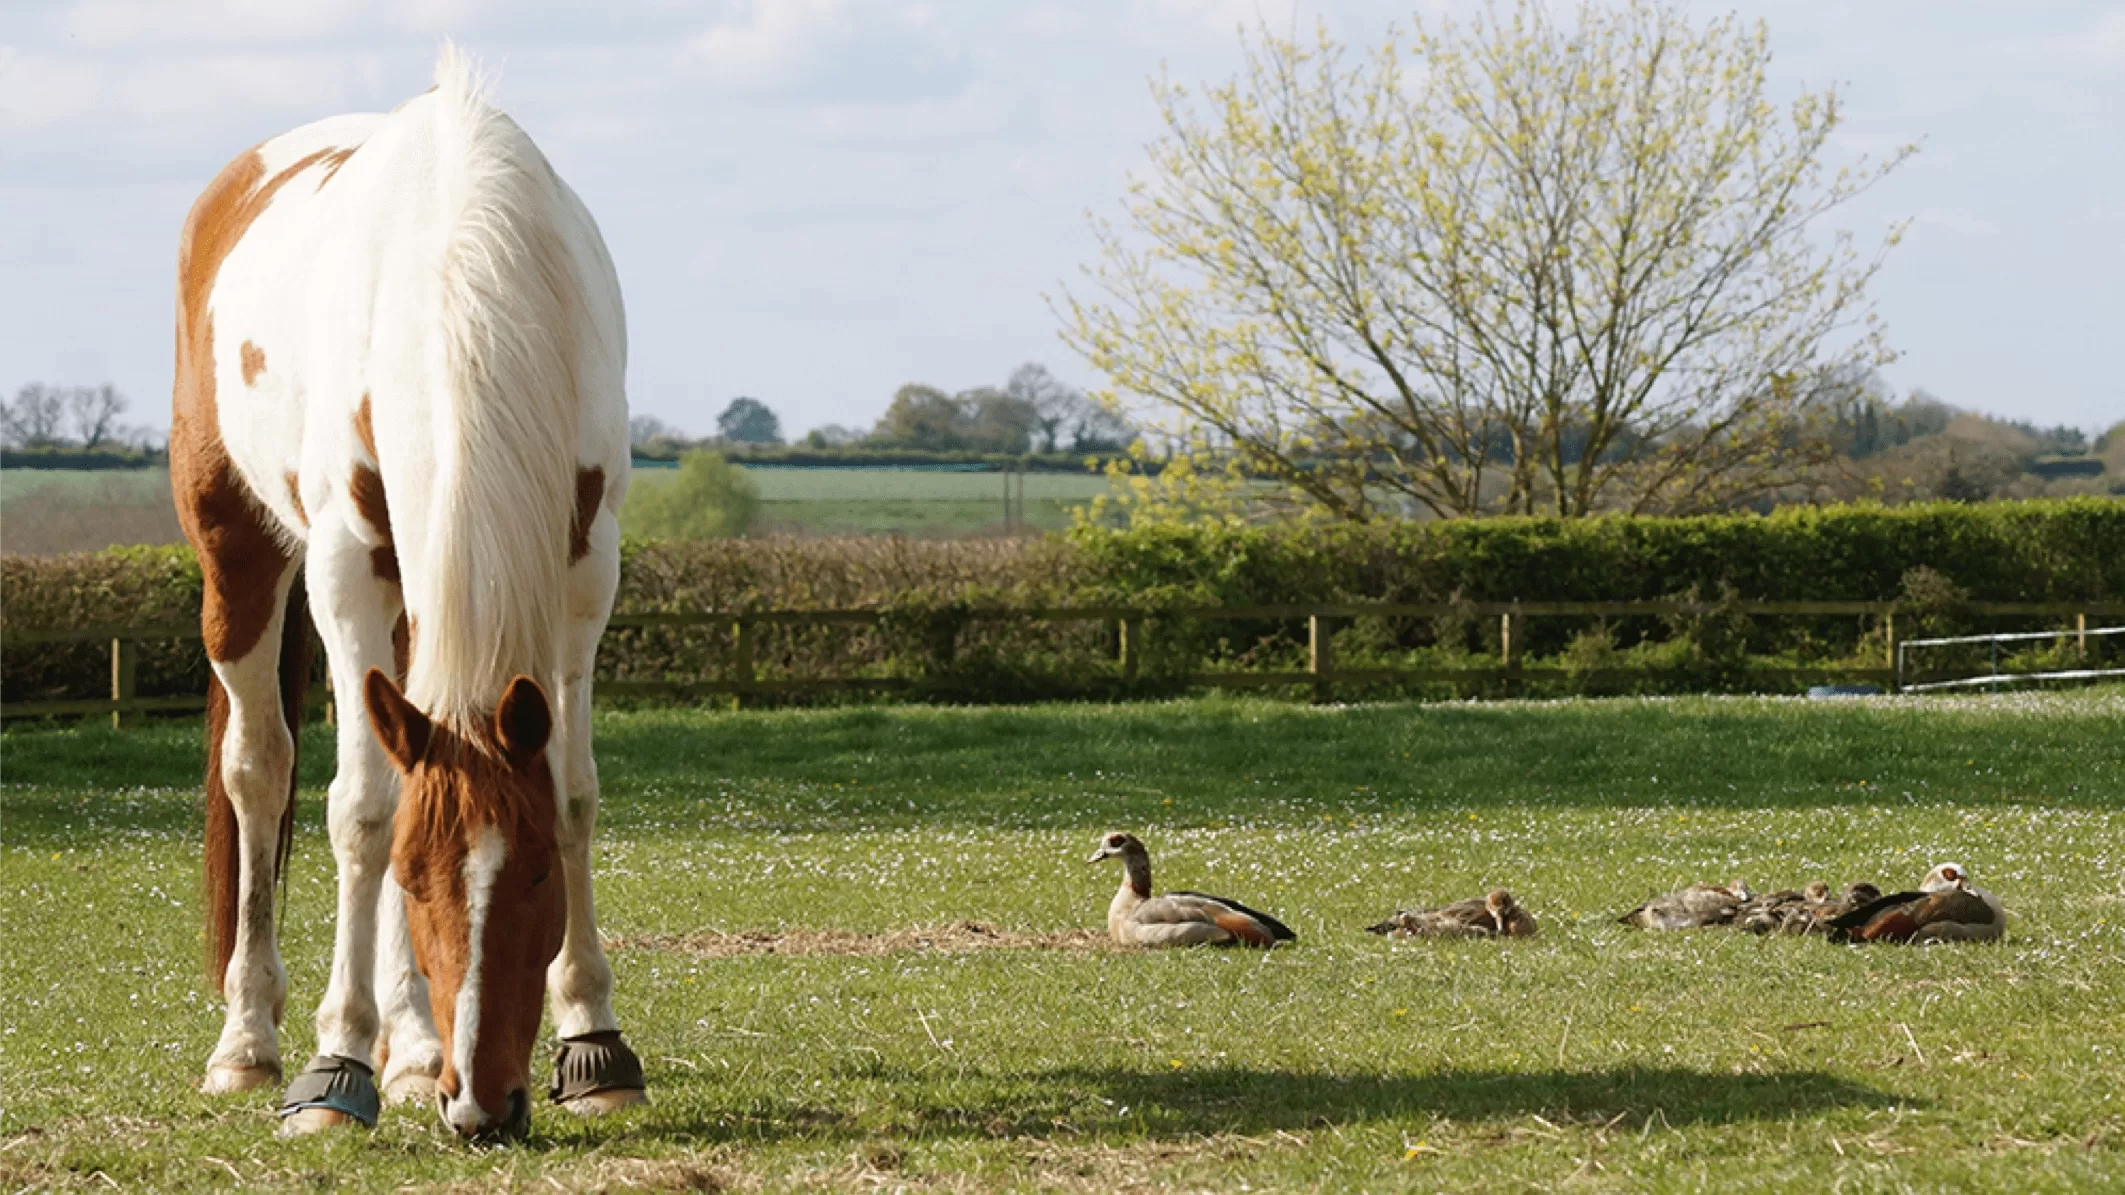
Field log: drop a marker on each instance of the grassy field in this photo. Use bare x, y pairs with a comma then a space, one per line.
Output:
932, 503
1592, 1056
52, 510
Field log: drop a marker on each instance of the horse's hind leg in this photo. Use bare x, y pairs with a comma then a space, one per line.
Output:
596, 1072
252, 760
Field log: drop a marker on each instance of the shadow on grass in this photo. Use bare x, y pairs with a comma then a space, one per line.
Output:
1198, 1102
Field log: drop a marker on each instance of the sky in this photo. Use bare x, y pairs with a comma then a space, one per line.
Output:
815, 201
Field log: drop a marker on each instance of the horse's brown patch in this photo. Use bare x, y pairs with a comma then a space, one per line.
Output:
254, 363
295, 495
365, 428
366, 487
333, 160
590, 491
402, 644
240, 558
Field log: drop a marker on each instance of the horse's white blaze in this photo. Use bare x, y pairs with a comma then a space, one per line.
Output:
483, 862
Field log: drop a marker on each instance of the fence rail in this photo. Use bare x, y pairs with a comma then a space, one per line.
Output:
1321, 674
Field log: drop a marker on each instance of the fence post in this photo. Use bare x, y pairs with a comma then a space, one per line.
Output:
1320, 657
125, 672
1509, 649
1894, 663
2080, 637
741, 660
1132, 633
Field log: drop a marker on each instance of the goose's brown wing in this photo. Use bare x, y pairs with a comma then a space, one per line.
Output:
1252, 926
1878, 920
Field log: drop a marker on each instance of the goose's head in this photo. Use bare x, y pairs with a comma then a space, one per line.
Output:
1944, 877
1862, 893
1500, 903
1118, 843
1817, 891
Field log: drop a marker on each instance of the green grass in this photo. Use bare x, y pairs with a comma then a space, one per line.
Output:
1594, 1055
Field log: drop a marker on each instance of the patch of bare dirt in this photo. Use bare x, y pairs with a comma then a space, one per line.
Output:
958, 937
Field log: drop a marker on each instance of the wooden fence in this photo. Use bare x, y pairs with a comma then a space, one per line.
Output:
1320, 675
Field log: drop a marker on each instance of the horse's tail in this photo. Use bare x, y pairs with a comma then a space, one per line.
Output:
224, 849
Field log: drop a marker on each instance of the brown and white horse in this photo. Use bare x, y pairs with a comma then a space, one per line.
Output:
400, 353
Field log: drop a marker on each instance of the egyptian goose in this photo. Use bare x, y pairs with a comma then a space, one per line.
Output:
1694, 907
1946, 908
1136, 918
1496, 915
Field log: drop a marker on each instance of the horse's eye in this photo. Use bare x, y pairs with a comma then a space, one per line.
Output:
542, 877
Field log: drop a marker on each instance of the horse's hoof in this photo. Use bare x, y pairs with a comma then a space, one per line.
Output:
312, 1120
331, 1091
599, 1103
411, 1088
227, 1080
596, 1073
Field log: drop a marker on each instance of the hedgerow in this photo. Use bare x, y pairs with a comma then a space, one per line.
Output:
1934, 558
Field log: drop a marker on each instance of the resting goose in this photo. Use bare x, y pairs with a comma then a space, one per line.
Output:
1770, 913
1946, 908
1136, 918
1814, 915
1694, 907
1496, 915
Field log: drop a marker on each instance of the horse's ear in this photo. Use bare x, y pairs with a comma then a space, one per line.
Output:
401, 728
523, 721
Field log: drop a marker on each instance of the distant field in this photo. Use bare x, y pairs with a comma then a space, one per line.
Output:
913, 502
43, 511
65, 510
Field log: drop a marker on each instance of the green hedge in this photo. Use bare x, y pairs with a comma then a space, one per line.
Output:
1937, 556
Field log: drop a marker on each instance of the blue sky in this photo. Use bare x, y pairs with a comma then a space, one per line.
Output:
814, 201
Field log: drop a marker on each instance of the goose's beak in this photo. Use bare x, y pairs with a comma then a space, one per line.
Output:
1099, 854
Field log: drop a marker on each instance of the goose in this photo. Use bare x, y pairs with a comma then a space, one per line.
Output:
1814, 915
1773, 912
1695, 906
1945, 908
1496, 915
1136, 918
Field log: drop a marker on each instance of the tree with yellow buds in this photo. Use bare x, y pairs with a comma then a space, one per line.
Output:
1517, 265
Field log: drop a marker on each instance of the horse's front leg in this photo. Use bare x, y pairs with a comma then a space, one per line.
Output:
354, 609
595, 1070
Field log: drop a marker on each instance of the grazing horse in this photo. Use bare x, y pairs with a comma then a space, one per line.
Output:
400, 352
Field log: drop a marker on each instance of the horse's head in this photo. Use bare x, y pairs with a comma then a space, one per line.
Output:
474, 848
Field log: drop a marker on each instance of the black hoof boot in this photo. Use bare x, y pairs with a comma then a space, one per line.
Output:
597, 1073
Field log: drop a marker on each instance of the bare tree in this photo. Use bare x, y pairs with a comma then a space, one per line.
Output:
34, 418
1510, 266
92, 412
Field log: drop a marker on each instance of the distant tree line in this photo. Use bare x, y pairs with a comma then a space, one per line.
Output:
62, 419
1032, 412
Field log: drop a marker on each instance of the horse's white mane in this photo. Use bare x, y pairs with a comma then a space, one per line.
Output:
490, 595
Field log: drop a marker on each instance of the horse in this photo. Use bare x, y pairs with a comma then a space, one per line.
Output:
400, 363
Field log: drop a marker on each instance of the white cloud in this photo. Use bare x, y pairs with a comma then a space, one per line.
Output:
2101, 44
152, 24
1189, 23
770, 41
40, 91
